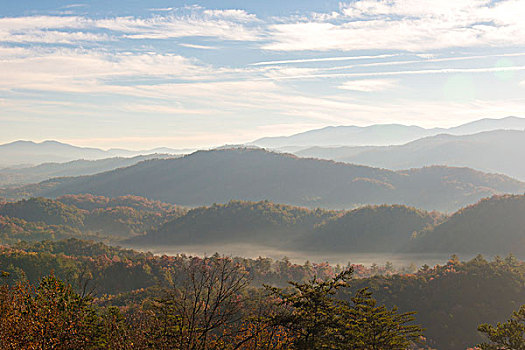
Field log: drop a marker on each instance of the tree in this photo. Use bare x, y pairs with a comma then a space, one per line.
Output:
372, 327
54, 316
318, 320
506, 336
203, 303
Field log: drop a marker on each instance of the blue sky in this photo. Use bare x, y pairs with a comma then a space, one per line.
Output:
141, 74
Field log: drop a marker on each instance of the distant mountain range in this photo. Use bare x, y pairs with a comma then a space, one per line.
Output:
218, 176
499, 151
26, 153
29, 153
382, 134
21, 176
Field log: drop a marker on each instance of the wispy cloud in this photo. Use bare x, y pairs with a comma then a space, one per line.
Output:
220, 24
75, 6
201, 47
323, 59
413, 25
161, 9
178, 27
368, 85
404, 72
423, 61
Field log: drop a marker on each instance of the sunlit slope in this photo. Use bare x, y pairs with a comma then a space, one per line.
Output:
83, 215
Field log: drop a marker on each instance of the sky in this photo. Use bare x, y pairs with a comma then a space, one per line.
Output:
144, 74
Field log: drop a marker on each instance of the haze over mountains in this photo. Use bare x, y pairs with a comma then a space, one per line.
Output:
25, 153
218, 176
498, 151
26, 175
31, 153
383, 134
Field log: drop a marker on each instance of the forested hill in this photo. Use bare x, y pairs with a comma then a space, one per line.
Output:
492, 226
44, 210
237, 221
369, 229
382, 228
218, 176
82, 216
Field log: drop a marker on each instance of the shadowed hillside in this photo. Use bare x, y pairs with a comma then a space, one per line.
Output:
493, 226
370, 229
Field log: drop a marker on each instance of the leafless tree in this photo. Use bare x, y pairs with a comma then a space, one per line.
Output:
205, 301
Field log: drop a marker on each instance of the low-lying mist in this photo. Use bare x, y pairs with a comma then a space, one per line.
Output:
299, 257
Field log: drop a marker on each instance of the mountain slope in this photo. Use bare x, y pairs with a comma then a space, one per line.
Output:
28, 152
238, 222
492, 226
44, 210
383, 134
20, 176
103, 217
498, 151
208, 177
369, 229
31, 153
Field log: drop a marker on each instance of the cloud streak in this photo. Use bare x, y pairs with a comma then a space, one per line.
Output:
323, 59
405, 72
368, 85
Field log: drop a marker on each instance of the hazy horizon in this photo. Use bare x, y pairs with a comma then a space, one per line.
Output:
207, 147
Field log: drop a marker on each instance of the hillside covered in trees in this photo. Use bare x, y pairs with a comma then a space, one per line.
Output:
494, 226
238, 221
218, 176
450, 300
385, 228
83, 215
